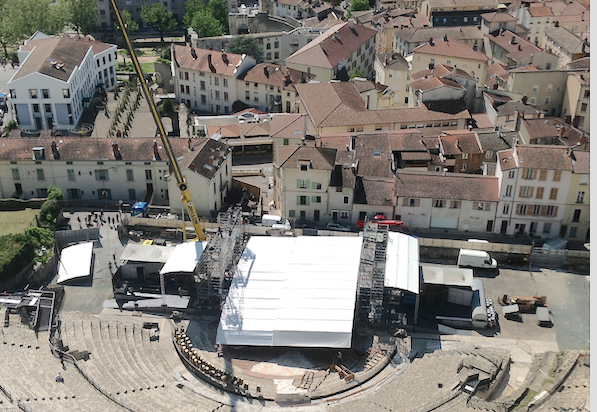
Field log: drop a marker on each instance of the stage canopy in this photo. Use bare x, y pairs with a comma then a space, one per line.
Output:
298, 291
402, 263
184, 258
137, 252
75, 262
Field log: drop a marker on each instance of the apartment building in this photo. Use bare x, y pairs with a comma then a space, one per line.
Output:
491, 22
205, 80
577, 99
513, 51
394, 71
457, 12
406, 40
565, 45
534, 182
341, 50
544, 89
536, 18
576, 221
57, 78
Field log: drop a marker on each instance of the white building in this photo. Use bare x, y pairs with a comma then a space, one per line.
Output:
57, 78
534, 182
205, 80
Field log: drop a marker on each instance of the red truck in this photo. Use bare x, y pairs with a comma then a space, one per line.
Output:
381, 219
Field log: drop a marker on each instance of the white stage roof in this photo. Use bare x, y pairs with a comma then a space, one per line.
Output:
293, 292
138, 252
75, 262
402, 263
184, 258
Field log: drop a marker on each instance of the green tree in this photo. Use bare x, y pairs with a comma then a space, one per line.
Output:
357, 5
356, 72
219, 10
246, 45
81, 15
158, 16
206, 25
130, 24
50, 209
193, 7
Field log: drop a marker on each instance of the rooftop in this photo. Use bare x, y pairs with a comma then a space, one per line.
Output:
288, 125
456, 142
540, 11
562, 37
517, 47
440, 70
333, 46
422, 35
454, 186
552, 127
206, 159
463, 3
292, 156
276, 75
395, 61
498, 17
582, 164
200, 59
548, 157
426, 84
452, 48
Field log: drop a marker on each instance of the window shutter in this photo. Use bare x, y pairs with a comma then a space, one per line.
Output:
520, 191
307, 199
308, 184
555, 210
475, 205
529, 209
517, 209
532, 192
313, 185
405, 201
543, 211
487, 206
540, 193
298, 200
313, 199
417, 202
298, 183
534, 174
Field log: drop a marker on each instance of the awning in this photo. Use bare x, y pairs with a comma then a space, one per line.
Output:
137, 252
184, 258
75, 262
402, 263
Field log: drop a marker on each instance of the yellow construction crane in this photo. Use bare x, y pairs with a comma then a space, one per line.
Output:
180, 181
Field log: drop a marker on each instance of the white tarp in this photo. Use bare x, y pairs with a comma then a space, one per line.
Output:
402, 263
137, 252
297, 292
75, 262
437, 275
184, 258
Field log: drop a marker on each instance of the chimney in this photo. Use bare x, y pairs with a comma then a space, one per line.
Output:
519, 47
502, 31
265, 71
156, 154
351, 27
524, 99
55, 151
190, 147
193, 54
431, 41
116, 151
445, 37
513, 40
225, 57
210, 64
386, 62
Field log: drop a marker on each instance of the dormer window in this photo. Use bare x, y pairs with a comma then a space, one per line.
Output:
304, 168
377, 153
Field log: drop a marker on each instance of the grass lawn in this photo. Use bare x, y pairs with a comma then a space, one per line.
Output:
148, 67
16, 222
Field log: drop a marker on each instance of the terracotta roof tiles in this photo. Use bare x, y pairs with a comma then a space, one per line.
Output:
183, 56
455, 186
452, 48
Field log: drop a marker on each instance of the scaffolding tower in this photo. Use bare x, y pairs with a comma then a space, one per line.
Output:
370, 284
218, 261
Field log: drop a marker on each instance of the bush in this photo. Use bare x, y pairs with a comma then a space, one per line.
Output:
16, 251
160, 60
125, 67
50, 209
166, 107
41, 237
9, 126
165, 53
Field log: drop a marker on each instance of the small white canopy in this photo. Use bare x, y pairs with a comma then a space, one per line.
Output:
293, 292
75, 262
436, 275
137, 252
184, 258
402, 263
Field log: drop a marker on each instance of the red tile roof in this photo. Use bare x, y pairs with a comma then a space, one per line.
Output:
319, 158
517, 47
549, 157
455, 186
440, 70
275, 75
288, 125
185, 60
206, 160
332, 46
540, 11
431, 83
497, 16
582, 164
460, 142
451, 48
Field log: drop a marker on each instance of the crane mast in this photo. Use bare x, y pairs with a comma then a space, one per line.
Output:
180, 180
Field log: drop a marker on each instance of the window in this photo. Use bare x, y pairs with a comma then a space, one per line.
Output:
535, 89
268, 46
203, 99
533, 100
268, 56
291, 213
217, 95
276, 55
129, 175
543, 175
377, 153
225, 82
584, 180
71, 174
587, 93
202, 85
550, 87
481, 206
412, 202
438, 203
576, 217
302, 200
454, 204
343, 214
547, 100
40, 174
13, 94
508, 191
66, 93
317, 199
488, 154
547, 227
583, 107
255, 96
36, 108
33, 93
553, 194
286, 142
557, 174
45, 93
15, 174
304, 168
302, 184
511, 174
247, 95
580, 197
42, 192
225, 96
525, 191
132, 194
101, 174
345, 200
506, 209
48, 108
465, 156
182, 88
539, 193
148, 174
573, 231
536, 209
318, 186
186, 75
522, 209
277, 44
187, 90
529, 174
104, 194
463, 167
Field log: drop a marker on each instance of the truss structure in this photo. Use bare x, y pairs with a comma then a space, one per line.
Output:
370, 284
218, 261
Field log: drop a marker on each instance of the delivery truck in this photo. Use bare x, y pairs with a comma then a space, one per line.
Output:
275, 222
476, 259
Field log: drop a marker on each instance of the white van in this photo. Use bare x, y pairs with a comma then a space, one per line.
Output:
476, 259
276, 222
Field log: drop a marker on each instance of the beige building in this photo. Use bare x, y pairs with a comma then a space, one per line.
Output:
513, 51
452, 53
543, 88
497, 20
567, 46
393, 71
576, 221
577, 103
535, 17
335, 54
456, 12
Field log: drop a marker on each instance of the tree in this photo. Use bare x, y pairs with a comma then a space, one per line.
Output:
158, 16
246, 45
193, 7
51, 208
81, 15
357, 5
206, 25
219, 10
130, 24
356, 72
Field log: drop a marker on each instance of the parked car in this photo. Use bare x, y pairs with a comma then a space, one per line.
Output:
337, 226
249, 117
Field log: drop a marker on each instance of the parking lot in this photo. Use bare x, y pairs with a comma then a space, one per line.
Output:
567, 298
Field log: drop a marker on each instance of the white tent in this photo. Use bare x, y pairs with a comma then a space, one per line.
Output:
293, 292
137, 252
184, 258
402, 263
75, 262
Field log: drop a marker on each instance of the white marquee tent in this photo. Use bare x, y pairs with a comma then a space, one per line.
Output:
298, 291
75, 262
